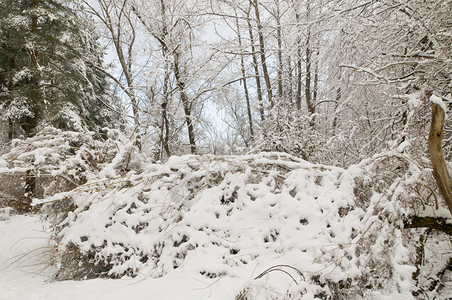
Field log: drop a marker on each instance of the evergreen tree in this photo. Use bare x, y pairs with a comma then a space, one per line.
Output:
50, 66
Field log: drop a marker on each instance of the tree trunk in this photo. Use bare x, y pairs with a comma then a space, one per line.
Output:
185, 103
439, 166
280, 50
289, 93
29, 123
338, 99
316, 84
307, 85
116, 31
298, 67
245, 85
439, 224
308, 65
256, 70
131, 89
164, 122
262, 53
12, 65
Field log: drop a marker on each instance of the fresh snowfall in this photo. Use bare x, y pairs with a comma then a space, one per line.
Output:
108, 224
225, 149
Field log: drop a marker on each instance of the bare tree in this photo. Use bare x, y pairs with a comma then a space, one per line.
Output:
174, 24
118, 21
262, 52
255, 64
245, 85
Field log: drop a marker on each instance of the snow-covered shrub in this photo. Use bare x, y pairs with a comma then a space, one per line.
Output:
404, 190
297, 228
55, 161
287, 131
309, 137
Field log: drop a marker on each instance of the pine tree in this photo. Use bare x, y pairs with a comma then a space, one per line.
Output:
50, 63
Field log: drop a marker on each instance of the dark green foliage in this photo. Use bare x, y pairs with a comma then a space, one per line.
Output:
49, 62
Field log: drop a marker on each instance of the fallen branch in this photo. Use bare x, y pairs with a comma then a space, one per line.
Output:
439, 224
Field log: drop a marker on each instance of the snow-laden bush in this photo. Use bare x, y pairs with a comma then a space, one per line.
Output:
55, 161
300, 230
288, 131
286, 228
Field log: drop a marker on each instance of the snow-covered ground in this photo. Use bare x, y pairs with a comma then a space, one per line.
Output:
24, 257
264, 226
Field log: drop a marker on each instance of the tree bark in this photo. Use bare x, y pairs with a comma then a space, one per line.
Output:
164, 138
185, 103
439, 166
316, 84
307, 86
29, 123
12, 65
308, 66
116, 30
439, 224
289, 93
262, 52
298, 67
280, 50
256, 70
162, 40
245, 85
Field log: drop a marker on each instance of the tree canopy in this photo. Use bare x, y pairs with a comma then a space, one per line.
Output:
50, 63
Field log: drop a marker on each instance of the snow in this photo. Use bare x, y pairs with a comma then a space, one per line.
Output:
403, 146
437, 100
414, 100
265, 225
24, 253
232, 217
